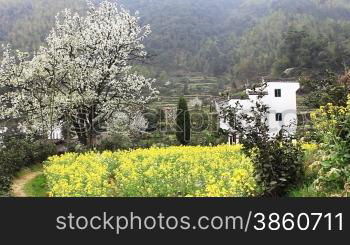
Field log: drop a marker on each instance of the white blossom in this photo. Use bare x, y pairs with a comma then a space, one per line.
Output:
83, 74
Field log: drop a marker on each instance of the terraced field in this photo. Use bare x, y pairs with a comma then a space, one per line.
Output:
191, 87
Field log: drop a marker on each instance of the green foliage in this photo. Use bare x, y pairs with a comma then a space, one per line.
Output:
330, 89
278, 165
27, 22
200, 120
37, 187
208, 138
183, 122
314, 156
306, 190
222, 37
332, 124
115, 142
17, 153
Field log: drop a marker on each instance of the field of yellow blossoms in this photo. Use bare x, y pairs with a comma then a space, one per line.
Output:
183, 171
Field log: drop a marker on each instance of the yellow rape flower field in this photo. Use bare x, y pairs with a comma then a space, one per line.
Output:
183, 171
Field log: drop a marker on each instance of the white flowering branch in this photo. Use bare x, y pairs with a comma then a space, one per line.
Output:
83, 74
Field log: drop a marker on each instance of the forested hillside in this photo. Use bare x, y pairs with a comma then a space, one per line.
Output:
236, 39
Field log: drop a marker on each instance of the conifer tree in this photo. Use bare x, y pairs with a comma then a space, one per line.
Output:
183, 122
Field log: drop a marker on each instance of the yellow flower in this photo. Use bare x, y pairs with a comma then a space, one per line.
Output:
222, 171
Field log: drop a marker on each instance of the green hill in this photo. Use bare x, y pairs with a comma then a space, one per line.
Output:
230, 40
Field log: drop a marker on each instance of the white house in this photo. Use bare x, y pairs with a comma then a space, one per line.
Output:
195, 102
56, 134
279, 96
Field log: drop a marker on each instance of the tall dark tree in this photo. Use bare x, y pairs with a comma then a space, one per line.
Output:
183, 122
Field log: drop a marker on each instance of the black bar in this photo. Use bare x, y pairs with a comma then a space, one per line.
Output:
34, 221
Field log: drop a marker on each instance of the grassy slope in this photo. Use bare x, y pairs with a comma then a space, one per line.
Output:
37, 187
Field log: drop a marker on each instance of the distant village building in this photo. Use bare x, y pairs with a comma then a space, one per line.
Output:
56, 134
196, 102
170, 113
279, 96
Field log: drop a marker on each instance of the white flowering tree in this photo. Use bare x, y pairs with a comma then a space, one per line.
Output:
83, 75
26, 94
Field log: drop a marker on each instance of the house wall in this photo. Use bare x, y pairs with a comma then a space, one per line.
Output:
246, 105
286, 105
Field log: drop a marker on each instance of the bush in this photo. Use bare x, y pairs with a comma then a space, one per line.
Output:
331, 89
115, 142
207, 138
305, 188
221, 171
311, 158
17, 153
332, 124
278, 165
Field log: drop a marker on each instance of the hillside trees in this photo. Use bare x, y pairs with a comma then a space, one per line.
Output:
26, 23
235, 39
285, 40
329, 89
220, 38
82, 75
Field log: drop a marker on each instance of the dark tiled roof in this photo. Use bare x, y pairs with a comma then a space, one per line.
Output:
258, 93
285, 80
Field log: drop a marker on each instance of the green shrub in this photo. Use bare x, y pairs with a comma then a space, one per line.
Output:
17, 153
306, 190
311, 159
331, 89
278, 165
115, 142
332, 124
208, 138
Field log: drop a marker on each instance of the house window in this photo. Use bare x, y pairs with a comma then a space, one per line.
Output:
279, 117
278, 93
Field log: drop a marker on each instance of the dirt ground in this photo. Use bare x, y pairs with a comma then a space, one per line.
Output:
17, 189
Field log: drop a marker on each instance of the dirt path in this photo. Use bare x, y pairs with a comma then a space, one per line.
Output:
17, 189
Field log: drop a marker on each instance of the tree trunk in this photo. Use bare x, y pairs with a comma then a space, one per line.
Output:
83, 139
81, 133
92, 140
